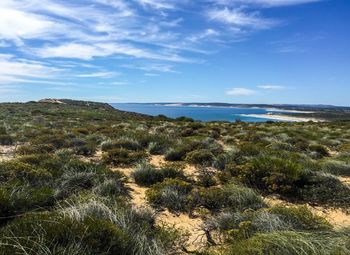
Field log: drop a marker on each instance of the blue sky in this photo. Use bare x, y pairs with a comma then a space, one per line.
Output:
238, 51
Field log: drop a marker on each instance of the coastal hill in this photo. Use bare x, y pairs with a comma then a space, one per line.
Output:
81, 177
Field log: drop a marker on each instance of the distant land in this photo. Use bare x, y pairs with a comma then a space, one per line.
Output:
281, 112
308, 107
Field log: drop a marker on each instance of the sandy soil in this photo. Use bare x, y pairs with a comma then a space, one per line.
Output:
282, 117
196, 238
345, 180
157, 160
7, 152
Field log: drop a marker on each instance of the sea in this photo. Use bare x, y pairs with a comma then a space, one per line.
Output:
201, 113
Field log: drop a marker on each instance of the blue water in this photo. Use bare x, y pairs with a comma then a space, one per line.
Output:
197, 113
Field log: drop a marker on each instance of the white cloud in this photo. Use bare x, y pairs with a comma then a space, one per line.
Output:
240, 19
71, 50
268, 3
157, 4
17, 25
98, 75
271, 87
88, 52
14, 70
241, 92
152, 67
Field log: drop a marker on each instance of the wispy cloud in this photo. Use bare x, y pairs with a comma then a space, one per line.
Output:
266, 3
271, 87
98, 75
14, 70
241, 92
157, 4
239, 19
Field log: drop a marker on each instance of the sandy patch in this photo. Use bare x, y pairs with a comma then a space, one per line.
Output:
157, 160
193, 226
138, 194
345, 180
7, 152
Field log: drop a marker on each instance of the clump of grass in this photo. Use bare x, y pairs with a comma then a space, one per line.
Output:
6, 139
301, 218
200, 157
233, 196
292, 243
171, 193
146, 174
123, 157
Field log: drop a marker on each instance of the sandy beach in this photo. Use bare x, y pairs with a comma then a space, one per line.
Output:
282, 117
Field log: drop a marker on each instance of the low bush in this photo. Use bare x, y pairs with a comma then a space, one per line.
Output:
231, 196
292, 243
319, 151
146, 174
35, 149
206, 177
17, 170
336, 167
176, 154
301, 218
157, 148
200, 157
16, 199
171, 193
113, 188
325, 189
6, 139
273, 174
123, 157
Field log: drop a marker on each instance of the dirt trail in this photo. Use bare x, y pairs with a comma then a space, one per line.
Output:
337, 217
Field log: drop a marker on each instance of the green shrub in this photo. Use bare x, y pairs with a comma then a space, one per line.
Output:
146, 174
175, 154
16, 199
292, 243
273, 174
320, 151
325, 189
336, 167
301, 218
230, 196
171, 193
123, 157
42, 233
200, 157
35, 149
206, 177
14, 169
6, 139
127, 143
242, 225
112, 188
156, 148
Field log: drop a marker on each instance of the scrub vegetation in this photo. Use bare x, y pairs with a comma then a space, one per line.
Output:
83, 178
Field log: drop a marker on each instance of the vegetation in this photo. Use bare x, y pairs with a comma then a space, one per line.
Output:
66, 169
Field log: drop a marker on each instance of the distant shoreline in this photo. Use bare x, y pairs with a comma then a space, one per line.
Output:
282, 117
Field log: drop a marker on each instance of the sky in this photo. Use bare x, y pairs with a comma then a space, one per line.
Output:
235, 51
